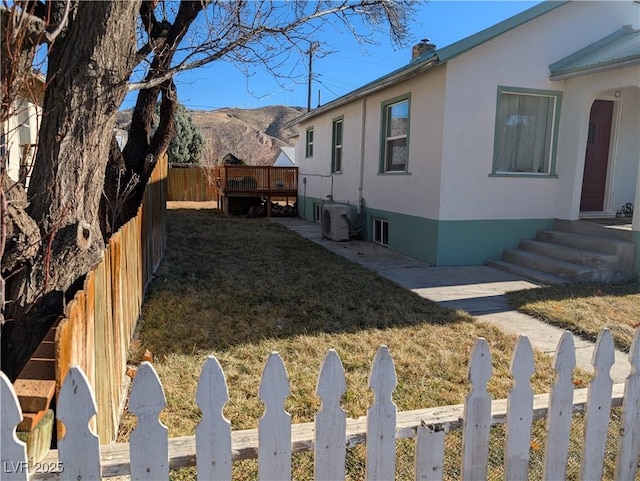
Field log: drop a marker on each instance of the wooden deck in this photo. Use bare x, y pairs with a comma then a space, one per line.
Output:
273, 183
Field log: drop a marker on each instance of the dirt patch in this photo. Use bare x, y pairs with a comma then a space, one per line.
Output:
175, 204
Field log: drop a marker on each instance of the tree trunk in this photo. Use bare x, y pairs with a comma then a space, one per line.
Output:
89, 66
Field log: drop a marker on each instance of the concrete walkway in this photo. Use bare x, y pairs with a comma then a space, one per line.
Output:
478, 290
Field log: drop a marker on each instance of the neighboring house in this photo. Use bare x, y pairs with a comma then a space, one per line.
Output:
471, 147
286, 157
19, 133
121, 137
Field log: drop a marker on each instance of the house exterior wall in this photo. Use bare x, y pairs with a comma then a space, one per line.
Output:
21, 128
625, 162
408, 201
518, 58
449, 208
481, 214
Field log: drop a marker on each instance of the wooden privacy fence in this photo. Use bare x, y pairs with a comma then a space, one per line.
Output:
191, 183
150, 455
98, 323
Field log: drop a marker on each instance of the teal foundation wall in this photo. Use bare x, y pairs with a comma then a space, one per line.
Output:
305, 206
446, 242
414, 236
459, 242
475, 241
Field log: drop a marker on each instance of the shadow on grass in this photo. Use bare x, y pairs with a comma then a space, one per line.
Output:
228, 281
585, 308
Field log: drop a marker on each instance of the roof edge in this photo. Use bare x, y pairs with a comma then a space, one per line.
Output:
600, 67
436, 57
559, 67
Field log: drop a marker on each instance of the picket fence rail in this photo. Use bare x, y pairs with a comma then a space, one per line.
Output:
150, 454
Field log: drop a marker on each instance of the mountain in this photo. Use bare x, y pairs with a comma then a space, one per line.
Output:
253, 135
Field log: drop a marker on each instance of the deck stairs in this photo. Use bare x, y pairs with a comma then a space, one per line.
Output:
573, 251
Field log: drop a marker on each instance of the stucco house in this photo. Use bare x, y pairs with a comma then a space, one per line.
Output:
472, 147
19, 133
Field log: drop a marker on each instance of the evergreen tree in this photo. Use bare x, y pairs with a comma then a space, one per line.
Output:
187, 144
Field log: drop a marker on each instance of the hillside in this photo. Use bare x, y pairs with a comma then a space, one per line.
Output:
253, 135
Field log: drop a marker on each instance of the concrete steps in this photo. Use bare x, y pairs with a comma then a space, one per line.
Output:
573, 251
532, 274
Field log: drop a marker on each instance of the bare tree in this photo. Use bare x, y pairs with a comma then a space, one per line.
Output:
96, 53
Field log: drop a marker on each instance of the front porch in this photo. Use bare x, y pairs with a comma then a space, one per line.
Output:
585, 250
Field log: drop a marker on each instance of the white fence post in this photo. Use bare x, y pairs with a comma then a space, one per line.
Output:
13, 452
477, 414
274, 428
520, 413
629, 446
330, 422
213, 433
381, 419
79, 449
429, 454
598, 409
560, 410
149, 446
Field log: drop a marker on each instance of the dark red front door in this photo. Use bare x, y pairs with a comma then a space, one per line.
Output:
597, 156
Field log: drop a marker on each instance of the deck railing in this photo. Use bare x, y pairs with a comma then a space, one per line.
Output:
150, 454
256, 179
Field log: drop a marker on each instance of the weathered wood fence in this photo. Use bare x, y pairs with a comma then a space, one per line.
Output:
97, 326
150, 455
191, 183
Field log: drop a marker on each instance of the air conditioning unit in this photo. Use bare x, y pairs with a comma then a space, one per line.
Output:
334, 222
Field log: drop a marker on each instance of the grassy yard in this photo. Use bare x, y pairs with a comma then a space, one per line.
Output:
241, 288
586, 308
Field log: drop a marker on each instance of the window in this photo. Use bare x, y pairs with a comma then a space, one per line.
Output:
395, 135
380, 231
336, 146
309, 143
526, 131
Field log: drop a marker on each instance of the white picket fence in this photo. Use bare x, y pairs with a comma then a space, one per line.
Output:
150, 454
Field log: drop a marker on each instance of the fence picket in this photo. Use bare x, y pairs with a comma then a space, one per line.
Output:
429, 454
629, 445
148, 441
13, 454
560, 409
520, 412
274, 428
213, 433
381, 419
331, 421
146, 456
79, 449
477, 414
598, 409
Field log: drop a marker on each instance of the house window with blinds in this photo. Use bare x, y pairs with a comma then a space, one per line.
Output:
395, 135
308, 151
336, 146
526, 132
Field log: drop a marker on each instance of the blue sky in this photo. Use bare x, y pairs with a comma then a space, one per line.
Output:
350, 66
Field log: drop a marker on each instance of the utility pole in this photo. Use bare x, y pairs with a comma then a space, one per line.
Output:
313, 46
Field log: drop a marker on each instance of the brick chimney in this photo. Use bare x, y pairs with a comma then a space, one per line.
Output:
420, 48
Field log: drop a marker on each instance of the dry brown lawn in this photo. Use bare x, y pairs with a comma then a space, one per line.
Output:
586, 309
240, 288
